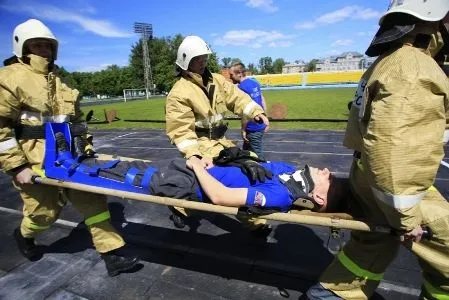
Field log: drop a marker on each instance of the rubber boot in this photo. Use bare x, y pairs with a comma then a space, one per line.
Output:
116, 263
262, 232
27, 246
177, 217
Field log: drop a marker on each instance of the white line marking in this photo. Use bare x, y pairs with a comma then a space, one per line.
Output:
123, 135
444, 164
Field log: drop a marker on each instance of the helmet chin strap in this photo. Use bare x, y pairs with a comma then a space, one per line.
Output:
300, 184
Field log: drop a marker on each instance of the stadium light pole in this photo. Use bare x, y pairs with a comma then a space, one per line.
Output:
146, 32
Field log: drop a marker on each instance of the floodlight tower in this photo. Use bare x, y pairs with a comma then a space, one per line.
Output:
146, 32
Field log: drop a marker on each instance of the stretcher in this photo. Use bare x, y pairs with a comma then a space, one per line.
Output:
56, 176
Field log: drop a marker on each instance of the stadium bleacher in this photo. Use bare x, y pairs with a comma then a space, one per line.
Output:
309, 78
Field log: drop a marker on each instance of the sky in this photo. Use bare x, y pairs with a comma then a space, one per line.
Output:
93, 34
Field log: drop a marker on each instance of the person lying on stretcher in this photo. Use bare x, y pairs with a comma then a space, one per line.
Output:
237, 180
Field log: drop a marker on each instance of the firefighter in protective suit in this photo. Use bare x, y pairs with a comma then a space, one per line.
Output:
31, 93
195, 110
396, 128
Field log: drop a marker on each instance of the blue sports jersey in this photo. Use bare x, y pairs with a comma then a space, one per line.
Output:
252, 88
269, 194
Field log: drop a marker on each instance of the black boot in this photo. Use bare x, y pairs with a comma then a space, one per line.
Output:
27, 246
116, 263
61, 143
262, 232
177, 217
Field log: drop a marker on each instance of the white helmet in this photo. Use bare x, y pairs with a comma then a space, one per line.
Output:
426, 10
191, 47
32, 29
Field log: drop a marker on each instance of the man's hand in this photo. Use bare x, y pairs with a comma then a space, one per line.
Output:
207, 162
261, 118
255, 171
194, 162
24, 176
245, 139
414, 235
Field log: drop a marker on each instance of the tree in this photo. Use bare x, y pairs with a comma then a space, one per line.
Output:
212, 64
278, 64
251, 69
266, 65
226, 62
311, 66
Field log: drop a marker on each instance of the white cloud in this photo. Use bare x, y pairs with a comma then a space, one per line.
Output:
352, 12
264, 5
52, 13
332, 52
305, 25
280, 44
342, 42
254, 38
94, 68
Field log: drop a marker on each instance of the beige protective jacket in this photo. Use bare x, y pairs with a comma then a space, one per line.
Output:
29, 95
192, 104
397, 123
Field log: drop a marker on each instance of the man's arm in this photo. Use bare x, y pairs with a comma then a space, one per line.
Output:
215, 190
264, 104
241, 103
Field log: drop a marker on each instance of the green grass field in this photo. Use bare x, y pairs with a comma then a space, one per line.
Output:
302, 104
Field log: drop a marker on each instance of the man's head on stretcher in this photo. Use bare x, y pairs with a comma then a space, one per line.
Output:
320, 191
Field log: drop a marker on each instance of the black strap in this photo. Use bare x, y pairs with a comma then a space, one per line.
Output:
28, 132
214, 133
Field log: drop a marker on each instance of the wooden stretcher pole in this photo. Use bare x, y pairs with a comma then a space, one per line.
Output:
334, 222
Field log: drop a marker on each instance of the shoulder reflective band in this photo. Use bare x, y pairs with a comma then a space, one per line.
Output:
186, 143
398, 201
356, 270
98, 218
33, 226
436, 292
249, 107
7, 145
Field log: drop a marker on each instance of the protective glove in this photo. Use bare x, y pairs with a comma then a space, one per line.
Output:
255, 171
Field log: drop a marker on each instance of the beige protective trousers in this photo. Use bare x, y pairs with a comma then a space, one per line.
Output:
358, 269
43, 204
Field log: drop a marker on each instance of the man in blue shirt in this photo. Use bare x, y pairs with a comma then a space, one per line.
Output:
270, 185
252, 132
